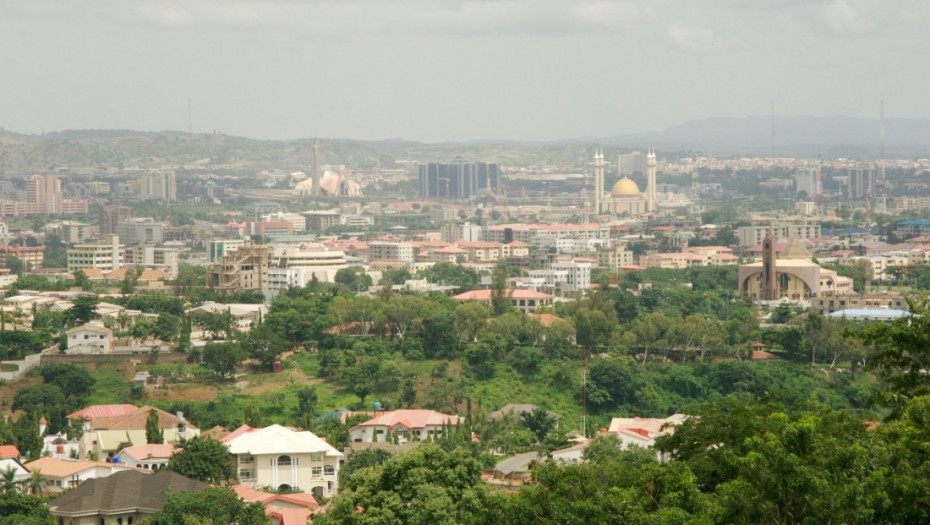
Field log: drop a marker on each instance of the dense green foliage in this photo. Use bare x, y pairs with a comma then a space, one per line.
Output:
210, 506
202, 458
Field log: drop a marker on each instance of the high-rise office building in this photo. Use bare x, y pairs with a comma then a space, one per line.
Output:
111, 215
458, 180
629, 164
44, 191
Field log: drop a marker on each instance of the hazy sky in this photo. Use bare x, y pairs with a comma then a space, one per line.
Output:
438, 70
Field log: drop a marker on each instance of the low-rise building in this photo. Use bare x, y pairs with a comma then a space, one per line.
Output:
283, 458
409, 425
527, 301
148, 456
90, 339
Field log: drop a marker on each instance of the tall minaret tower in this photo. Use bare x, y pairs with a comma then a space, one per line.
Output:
651, 181
598, 180
315, 167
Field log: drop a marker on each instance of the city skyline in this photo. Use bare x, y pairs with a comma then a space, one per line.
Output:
455, 70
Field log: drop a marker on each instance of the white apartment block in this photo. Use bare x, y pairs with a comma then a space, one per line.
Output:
390, 251
451, 232
104, 257
154, 257
753, 235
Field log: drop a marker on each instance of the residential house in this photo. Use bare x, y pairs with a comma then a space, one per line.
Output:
123, 498
527, 301
22, 473
64, 474
283, 509
90, 339
641, 432
410, 425
150, 456
281, 457
105, 436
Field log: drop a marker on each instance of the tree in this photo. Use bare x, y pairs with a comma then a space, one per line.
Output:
166, 326
353, 278
500, 297
72, 380
84, 309
26, 436
307, 398
153, 434
20, 509
8, 482
539, 422
211, 506
265, 344
223, 358
202, 458
15, 264
424, 485
591, 328
372, 457
36, 483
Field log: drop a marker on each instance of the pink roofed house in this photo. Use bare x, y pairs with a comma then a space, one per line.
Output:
410, 425
527, 301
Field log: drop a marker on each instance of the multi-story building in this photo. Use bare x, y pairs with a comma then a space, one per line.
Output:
443, 214
141, 229
111, 215
451, 232
244, 269
302, 265
157, 186
70, 232
629, 164
321, 220
753, 235
458, 180
105, 257
578, 274
615, 256
32, 256
391, 251
545, 235
216, 248
807, 181
297, 220
154, 257
284, 458
826, 304
43, 197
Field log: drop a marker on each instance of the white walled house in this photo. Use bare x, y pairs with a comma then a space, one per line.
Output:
90, 339
280, 457
150, 456
410, 425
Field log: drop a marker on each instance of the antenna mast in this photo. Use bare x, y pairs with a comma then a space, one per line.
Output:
884, 201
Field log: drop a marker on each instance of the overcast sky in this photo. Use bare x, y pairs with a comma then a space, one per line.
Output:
436, 70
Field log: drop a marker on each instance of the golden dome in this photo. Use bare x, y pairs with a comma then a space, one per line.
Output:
625, 187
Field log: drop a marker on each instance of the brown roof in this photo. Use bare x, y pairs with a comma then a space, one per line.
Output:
135, 420
128, 491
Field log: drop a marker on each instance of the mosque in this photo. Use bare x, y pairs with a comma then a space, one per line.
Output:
625, 198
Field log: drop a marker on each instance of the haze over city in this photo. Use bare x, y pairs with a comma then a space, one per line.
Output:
453, 70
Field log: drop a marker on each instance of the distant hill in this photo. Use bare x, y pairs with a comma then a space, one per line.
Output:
795, 136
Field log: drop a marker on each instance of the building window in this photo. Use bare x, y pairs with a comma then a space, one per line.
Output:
246, 459
316, 471
329, 470
284, 461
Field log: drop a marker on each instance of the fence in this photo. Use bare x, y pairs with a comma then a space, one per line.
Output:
26, 364
163, 357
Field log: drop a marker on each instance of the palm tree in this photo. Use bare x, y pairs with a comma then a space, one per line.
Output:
8, 480
36, 484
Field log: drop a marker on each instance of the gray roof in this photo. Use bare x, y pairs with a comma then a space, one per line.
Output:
519, 463
123, 492
518, 410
